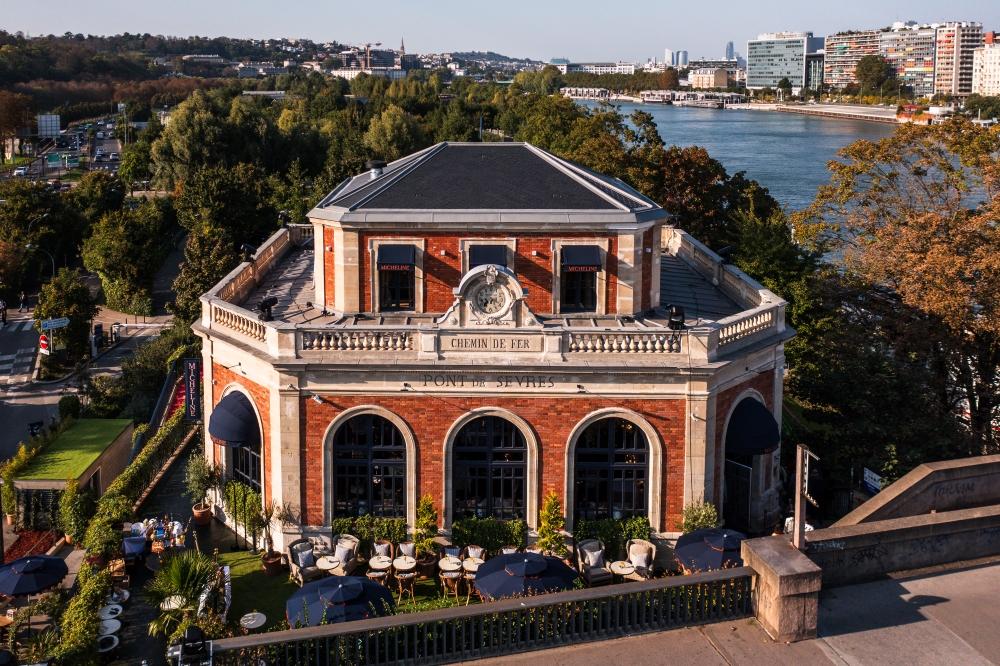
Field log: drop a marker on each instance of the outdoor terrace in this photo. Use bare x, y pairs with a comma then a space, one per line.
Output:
725, 309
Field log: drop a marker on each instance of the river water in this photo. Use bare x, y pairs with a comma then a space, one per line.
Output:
785, 152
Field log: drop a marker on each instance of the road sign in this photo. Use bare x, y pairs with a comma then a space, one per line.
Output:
871, 482
53, 158
43, 344
50, 324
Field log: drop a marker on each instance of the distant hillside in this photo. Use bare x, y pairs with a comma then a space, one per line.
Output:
488, 56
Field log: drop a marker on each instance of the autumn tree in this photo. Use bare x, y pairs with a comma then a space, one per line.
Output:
669, 80
393, 134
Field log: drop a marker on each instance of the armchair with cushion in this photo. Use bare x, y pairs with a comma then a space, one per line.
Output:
302, 562
346, 548
591, 564
641, 554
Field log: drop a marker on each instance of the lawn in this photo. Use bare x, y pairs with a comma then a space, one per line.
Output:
253, 591
75, 450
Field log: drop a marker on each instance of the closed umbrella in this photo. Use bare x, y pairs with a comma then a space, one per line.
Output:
709, 550
338, 599
31, 575
522, 574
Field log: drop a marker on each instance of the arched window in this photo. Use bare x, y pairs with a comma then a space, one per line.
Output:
611, 471
246, 465
370, 467
489, 467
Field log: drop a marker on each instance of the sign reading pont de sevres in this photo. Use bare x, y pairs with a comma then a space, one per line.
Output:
499, 343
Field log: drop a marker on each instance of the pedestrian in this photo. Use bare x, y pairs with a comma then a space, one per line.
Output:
3, 312
24, 302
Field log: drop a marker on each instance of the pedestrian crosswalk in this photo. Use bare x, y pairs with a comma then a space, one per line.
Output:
17, 326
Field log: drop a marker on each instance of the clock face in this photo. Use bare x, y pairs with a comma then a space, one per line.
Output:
490, 299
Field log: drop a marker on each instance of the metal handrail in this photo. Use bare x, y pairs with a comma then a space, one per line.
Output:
156, 420
505, 627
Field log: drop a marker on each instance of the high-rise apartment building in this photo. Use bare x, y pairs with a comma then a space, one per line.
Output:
729, 51
842, 53
911, 52
986, 68
775, 56
956, 46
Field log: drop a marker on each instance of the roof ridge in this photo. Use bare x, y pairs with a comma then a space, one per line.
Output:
409, 163
563, 165
587, 177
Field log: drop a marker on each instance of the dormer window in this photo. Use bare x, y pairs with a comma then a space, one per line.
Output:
397, 287
578, 278
480, 255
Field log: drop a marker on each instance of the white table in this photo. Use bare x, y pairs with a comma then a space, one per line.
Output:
109, 627
253, 620
107, 643
327, 563
450, 564
404, 563
621, 568
119, 598
379, 562
109, 612
471, 564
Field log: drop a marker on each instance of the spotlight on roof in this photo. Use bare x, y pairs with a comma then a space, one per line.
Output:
248, 251
375, 167
675, 319
726, 254
264, 307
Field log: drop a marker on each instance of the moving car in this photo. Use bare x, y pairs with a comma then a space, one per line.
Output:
21, 171
100, 135
113, 157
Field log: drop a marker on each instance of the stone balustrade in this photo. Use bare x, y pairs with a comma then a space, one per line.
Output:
624, 343
355, 340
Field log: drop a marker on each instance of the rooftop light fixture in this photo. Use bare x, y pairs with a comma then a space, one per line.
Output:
264, 307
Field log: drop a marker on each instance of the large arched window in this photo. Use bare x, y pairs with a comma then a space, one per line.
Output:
489, 469
370, 468
611, 471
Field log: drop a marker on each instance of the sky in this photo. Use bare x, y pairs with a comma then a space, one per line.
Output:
581, 30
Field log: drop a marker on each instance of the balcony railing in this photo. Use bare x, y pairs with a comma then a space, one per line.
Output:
503, 627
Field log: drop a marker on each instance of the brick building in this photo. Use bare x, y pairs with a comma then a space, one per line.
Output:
485, 323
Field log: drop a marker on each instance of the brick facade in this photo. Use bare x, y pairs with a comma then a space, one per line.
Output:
430, 419
763, 383
261, 397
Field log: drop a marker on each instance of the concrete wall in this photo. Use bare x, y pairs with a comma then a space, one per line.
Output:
943, 486
868, 551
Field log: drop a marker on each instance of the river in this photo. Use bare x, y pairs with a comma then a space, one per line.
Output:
785, 152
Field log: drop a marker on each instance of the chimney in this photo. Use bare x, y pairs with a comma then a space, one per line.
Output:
375, 166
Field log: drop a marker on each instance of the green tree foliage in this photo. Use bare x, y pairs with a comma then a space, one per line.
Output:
982, 106
546, 82
76, 508
393, 134
97, 194
872, 71
122, 250
425, 529
785, 85
183, 576
67, 295
551, 523
698, 515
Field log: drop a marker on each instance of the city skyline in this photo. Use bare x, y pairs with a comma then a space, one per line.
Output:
587, 31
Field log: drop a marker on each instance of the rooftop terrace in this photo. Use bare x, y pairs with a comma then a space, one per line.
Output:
75, 450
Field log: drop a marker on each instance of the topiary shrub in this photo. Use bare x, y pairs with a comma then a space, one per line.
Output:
697, 515
69, 407
390, 529
425, 528
490, 533
550, 526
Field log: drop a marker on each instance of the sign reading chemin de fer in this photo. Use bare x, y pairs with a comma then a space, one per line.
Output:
497, 343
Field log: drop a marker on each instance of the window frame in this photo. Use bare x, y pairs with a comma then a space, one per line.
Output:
374, 274
588, 474
602, 277
514, 474
374, 467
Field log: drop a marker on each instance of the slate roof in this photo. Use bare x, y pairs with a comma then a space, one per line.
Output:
485, 176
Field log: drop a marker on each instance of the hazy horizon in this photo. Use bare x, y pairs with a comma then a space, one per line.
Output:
583, 30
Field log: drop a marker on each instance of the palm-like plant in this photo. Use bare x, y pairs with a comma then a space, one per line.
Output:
182, 579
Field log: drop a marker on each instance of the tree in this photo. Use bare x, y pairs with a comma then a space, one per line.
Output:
16, 111
551, 522
872, 71
785, 85
67, 295
97, 194
122, 250
982, 106
208, 258
393, 134
669, 80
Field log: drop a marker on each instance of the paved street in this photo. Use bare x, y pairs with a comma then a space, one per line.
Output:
20, 402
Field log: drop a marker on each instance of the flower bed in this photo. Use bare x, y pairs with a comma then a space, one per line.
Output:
33, 542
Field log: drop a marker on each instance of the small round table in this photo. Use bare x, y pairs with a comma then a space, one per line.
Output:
108, 627
109, 612
106, 643
621, 568
404, 563
379, 562
327, 563
471, 564
253, 620
450, 564
118, 597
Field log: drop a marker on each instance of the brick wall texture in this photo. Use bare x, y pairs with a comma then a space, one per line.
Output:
430, 418
261, 397
764, 383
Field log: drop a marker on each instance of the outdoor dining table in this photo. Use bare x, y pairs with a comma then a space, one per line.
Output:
471, 564
621, 568
450, 564
109, 627
109, 612
119, 597
107, 643
327, 563
253, 620
380, 562
404, 563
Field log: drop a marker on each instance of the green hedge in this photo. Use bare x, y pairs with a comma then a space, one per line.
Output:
489, 533
614, 532
79, 622
243, 504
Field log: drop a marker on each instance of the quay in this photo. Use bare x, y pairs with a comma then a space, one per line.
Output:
874, 114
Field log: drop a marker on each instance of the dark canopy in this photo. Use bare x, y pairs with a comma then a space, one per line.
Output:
581, 258
752, 429
480, 255
396, 257
234, 421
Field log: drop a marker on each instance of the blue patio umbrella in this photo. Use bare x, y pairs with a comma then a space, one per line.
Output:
522, 574
31, 575
709, 550
338, 599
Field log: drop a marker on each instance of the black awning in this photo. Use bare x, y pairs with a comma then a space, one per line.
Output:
234, 422
752, 430
581, 258
480, 255
396, 257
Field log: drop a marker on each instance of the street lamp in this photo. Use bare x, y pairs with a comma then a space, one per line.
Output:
32, 247
44, 215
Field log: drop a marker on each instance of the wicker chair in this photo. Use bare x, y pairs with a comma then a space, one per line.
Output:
299, 574
641, 546
592, 576
352, 544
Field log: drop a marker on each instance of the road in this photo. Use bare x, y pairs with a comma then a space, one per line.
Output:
20, 403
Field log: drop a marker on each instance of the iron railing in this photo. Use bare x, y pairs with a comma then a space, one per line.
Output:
503, 627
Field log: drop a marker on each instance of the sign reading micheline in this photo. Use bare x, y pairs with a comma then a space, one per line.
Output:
499, 343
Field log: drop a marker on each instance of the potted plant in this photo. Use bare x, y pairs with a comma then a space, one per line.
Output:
550, 537
76, 508
269, 514
101, 541
8, 495
425, 529
201, 477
